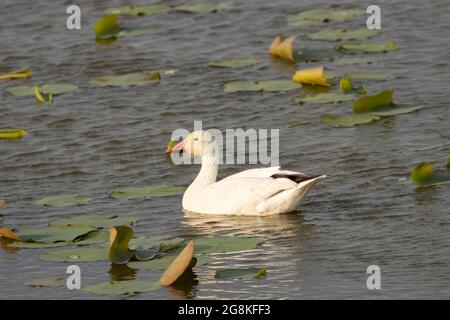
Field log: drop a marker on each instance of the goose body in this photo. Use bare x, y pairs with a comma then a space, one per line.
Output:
264, 191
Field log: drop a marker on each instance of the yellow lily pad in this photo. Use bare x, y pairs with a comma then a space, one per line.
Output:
18, 74
313, 76
325, 98
423, 175
178, 266
282, 48
12, 133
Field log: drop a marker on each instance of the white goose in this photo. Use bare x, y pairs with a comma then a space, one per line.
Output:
261, 192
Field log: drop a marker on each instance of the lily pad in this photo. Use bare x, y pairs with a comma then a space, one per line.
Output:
10, 134
282, 48
63, 201
243, 274
125, 80
363, 76
131, 193
181, 263
17, 74
343, 34
54, 89
348, 121
222, 244
38, 245
313, 76
368, 47
395, 110
324, 98
162, 263
144, 243
346, 60
52, 234
139, 10
107, 27
264, 85
205, 7
323, 15
80, 254
123, 287
46, 282
93, 237
97, 221
375, 102
235, 63
346, 86
314, 55
423, 175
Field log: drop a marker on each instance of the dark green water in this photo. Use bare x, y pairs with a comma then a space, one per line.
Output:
95, 140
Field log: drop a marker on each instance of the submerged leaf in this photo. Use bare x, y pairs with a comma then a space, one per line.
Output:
313, 76
12, 133
139, 10
423, 175
63, 201
181, 263
125, 80
282, 48
348, 121
76, 255
96, 221
221, 244
244, 274
48, 282
331, 97
234, 63
17, 74
38, 94
323, 15
123, 287
343, 34
264, 85
368, 47
146, 192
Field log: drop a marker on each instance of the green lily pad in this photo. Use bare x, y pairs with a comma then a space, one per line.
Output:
146, 192
323, 15
343, 34
125, 80
38, 245
243, 274
205, 7
264, 85
54, 89
367, 47
225, 244
52, 234
364, 76
424, 176
63, 201
348, 121
123, 287
93, 237
375, 102
234, 63
323, 98
80, 254
48, 282
97, 221
145, 243
359, 59
119, 252
314, 55
139, 10
164, 262
395, 110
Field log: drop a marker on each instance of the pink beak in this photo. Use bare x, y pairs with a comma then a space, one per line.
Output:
177, 147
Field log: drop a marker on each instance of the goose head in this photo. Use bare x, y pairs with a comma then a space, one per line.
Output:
197, 143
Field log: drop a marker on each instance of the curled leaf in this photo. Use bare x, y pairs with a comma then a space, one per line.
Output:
178, 266
119, 252
107, 27
375, 102
146, 192
282, 48
169, 147
12, 133
18, 74
313, 76
324, 98
423, 175
38, 94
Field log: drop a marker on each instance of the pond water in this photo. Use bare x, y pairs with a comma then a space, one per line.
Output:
96, 140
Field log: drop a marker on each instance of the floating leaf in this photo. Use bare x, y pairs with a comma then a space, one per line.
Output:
323, 15
123, 287
178, 266
445, 135
18, 74
107, 27
97, 221
323, 98
265, 85
343, 34
53, 89
355, 60
63, 201
119, 253
423, 175
243, 274
205, 7
125, 80
368, 47
314, 55
348, 121
347, 87
48, 282
282, 48
139, 10
234, 63
313, 76
363, 76
38, 94
146, 192
225, 244
373, 103
395, 110
12, 133
51, 234
38, 245
80, 254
